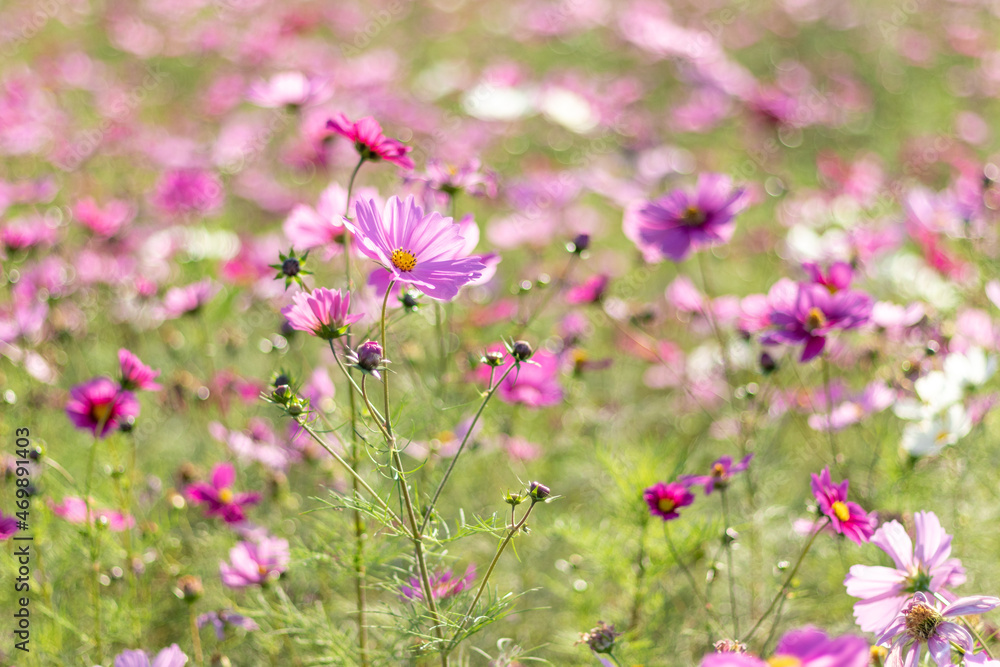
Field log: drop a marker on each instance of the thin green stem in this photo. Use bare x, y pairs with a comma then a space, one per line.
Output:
451, 466
94, 538
486, 577
829, 412
548, 295
691, 580
361, 481
729, 563
199, 658
787, 583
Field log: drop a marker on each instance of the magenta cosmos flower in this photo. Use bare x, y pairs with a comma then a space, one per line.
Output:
323, 313
189, 298
8, 526
219, 496
100, 405
182, 191
804, 647
74, 510
427, 251
255, 563
808, 313
680, 221
922, 621
369, 141
665, 499
444, 585
722, 471
926, 568
172, 656
846, 518
135, 374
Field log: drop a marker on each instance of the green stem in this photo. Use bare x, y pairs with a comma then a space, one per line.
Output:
496, 558
94, 538
729, 563
691, 580
787, 583
451, 466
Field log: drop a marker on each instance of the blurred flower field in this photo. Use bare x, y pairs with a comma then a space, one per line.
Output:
573, 332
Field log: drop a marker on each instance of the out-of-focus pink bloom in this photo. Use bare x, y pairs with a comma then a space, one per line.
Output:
219, 496
846, 517
449, 180
307, 227
255, 563
172, 656
520, 449
224, 618
188, 299
99, 405
808, 313
590, 291
74, 510
104, 222
23, 233
927, 568
135, 374
721, 472
922, 621
876, 397
443, 584
323, 313
684, 296
288, 89
183, 191
535, 384
427, 251
665, 500
681, 222
369, 141
837, 276
803, 647
8, 526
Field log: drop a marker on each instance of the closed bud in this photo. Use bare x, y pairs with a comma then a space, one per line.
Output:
369, 355
522, 350
189, 588
538, 491
493, 359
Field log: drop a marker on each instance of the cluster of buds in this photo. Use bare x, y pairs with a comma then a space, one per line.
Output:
293, 404
600, 639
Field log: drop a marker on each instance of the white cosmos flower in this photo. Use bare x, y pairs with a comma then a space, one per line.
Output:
930, 436
936, 392
971, 369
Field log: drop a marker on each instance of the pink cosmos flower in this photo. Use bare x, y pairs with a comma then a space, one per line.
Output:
447, 180
847, 518
99, 405
803, 647
107, 221
135, 374
837, 277
428, 252
884, 590
665, 499
74, 510
8, 526
189, 298
255, 563
808, 313
369, 141
680, 222
288, 89
444, 585
323, 313
722, 471
922, 620
535, 384
590, 291
172, 656
183, 191
219, 496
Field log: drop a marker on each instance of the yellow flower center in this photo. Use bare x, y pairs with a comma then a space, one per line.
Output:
693, 216
666, 505
784, 661
815, 319
261, 570
941, 436
403, 260
100, 412
840, 509
718, 470
225, 496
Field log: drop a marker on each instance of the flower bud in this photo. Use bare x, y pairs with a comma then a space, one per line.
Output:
189, 588
579, 244
767, 363
538, 491
291, 267
513, 499
522, 350
600, 639
493, 359
369, 355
